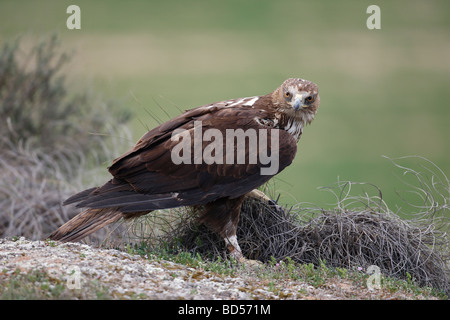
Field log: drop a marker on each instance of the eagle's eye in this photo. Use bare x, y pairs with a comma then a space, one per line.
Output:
310, 99
287, 94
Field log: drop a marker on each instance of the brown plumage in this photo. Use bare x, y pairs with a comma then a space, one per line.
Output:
150, 176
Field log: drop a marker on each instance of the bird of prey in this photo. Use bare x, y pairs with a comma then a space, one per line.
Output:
212, 157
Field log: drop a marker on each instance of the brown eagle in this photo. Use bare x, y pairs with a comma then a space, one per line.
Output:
212, 156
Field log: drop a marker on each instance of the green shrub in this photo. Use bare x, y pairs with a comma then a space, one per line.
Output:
38, 107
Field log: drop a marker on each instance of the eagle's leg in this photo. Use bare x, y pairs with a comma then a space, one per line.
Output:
235, 251
233, 248
222, 216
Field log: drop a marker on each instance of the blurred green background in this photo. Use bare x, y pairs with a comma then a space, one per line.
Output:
383, 92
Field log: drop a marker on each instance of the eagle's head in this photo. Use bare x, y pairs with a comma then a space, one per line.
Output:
296, 102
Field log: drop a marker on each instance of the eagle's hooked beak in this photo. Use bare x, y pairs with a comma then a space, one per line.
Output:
298, 102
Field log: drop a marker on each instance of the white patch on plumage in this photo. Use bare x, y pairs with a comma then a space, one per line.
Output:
294, 128
237, 102
251, 102
231, 103
292, 89
267, 122
259, 121
232, 240
275, 122
308, 117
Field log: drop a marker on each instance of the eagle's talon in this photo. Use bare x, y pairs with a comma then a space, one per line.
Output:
236, 254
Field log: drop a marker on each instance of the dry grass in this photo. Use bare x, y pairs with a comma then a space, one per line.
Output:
52, 141
34, 183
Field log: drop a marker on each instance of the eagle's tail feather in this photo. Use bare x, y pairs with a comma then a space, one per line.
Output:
85, 223
79, 196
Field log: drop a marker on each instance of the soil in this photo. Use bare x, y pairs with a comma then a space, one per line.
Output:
82, 267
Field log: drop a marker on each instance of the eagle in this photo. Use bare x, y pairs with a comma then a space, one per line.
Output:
211, 157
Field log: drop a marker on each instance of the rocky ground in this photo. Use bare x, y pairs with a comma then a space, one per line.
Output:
83, 272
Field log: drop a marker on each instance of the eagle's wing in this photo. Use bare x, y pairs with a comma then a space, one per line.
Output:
146, 178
